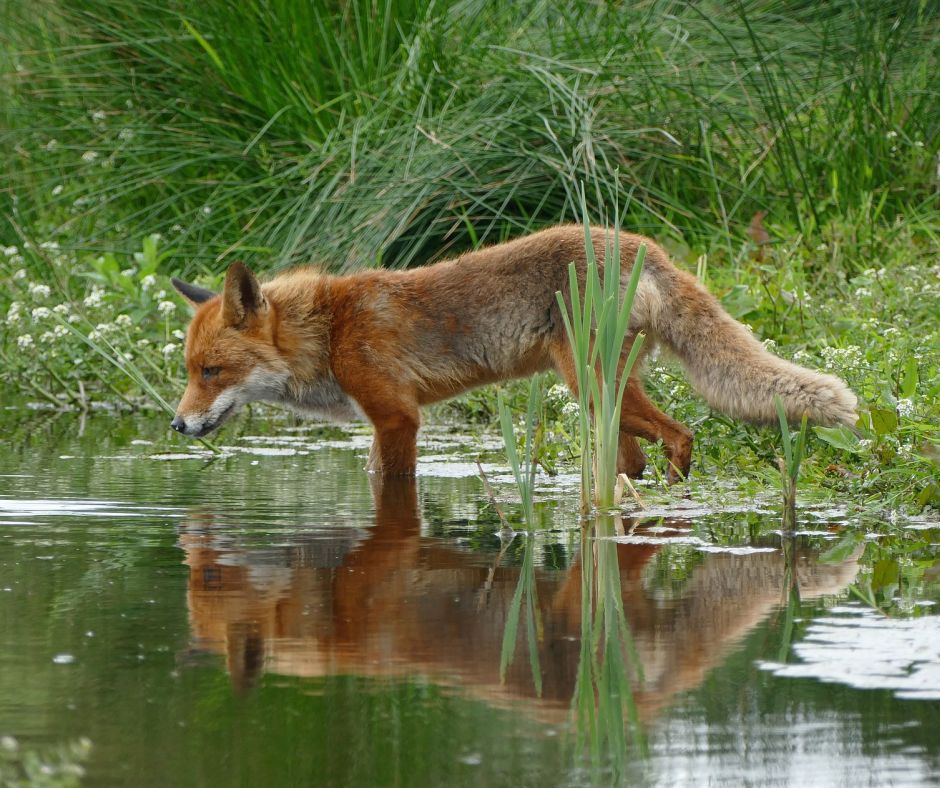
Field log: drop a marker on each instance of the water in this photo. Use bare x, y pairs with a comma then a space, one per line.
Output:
270, 619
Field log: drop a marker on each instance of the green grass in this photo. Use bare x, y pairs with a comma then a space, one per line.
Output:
786, 150
377, 133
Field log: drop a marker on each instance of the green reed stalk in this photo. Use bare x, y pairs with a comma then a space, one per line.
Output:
597, 328
523, 468
794, 447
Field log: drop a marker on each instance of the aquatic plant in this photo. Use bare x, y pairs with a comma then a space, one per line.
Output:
597, 328
524, 468
603, 707
794, 447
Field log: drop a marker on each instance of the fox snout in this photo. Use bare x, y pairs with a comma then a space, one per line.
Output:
199, 422
195, 428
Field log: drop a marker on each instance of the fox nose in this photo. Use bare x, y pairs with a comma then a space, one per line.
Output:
178, 424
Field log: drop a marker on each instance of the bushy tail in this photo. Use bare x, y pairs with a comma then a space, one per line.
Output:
726, 364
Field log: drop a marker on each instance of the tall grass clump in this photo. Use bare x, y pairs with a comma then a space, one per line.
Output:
389, 131
597, 327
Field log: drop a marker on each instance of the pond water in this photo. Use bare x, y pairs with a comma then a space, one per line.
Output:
272, 618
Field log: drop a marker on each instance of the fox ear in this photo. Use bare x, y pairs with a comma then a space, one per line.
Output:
193, 293
242, 300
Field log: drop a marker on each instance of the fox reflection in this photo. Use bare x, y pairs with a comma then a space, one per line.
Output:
386, 601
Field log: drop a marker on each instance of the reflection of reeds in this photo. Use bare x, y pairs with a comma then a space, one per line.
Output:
794, 447
603, 705
791, 594
526, 594
597, 330
523, 469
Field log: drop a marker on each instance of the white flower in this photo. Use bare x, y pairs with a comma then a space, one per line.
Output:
52, 144
51, 246
94, 297
24, 341
180, 335
94, 335
9, 251
207, 209
41, 313
143, 342
176, 228
160, 295
58, 190
124, 321
61, 309
905, 407
570, 409
89, 155
13, 313
125, 134
39, 291
891, 135
74, 319
60, 331
166, 308
128, 272
98, 115
105, 328
19, 274
169, 348
47, 338
148, 281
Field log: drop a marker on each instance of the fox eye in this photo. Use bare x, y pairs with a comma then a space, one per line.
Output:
210, 372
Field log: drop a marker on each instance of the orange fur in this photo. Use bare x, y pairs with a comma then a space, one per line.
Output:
381, 344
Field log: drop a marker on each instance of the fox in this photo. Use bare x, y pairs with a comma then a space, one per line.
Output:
380, 344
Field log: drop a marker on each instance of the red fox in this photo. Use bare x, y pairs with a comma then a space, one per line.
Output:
380, 344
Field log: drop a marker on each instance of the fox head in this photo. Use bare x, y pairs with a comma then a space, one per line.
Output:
231, 353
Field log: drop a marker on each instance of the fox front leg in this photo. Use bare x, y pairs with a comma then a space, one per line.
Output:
395, 448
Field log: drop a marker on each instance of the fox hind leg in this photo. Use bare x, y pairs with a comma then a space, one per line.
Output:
630, 457
639, 416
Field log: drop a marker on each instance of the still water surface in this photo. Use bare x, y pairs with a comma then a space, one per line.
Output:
271, 618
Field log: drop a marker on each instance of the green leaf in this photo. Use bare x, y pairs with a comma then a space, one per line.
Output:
883, 421
841, 437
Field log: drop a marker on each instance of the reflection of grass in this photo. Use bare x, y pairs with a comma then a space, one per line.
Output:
603, 705
526, 595
791, 595
57, 766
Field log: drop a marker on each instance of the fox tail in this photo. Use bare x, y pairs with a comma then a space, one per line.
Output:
726, 364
